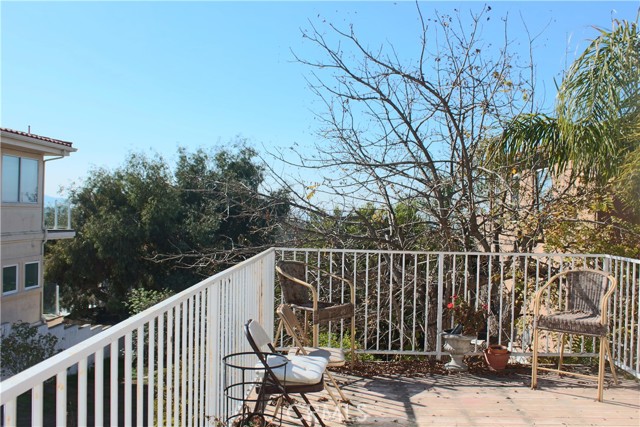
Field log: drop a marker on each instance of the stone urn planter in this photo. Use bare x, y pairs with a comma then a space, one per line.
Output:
457, 346
497, 356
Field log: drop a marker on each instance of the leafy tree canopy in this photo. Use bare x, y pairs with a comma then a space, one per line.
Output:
148, 226
596, 124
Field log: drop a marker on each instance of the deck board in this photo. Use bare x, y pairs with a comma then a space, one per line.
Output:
481, 400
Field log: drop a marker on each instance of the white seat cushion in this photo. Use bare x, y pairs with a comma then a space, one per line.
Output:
299, 369
335, 355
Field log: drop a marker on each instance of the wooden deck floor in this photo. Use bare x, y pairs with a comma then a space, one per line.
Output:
481, 400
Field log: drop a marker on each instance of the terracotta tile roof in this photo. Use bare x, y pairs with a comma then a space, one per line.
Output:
41, 138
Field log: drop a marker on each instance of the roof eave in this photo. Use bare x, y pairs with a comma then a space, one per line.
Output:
46, 147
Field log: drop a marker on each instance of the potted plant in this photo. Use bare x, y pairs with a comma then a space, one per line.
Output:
497, 356
468, 321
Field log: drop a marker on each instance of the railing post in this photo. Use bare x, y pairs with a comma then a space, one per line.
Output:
440, 303
55, 215
57, 301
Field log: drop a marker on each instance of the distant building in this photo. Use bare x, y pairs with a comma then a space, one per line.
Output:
24, 158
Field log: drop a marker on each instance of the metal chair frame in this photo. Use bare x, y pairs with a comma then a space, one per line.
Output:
604, 341
315, 303
272, 385
294, 329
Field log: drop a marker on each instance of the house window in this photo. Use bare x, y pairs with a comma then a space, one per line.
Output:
9, 279
544, 182
31, 275
19, 179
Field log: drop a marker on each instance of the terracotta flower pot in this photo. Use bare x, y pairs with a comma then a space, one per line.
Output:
497, 356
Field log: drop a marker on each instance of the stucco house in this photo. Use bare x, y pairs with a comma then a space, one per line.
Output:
24, 159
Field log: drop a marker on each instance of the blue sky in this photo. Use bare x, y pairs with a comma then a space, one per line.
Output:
117, 77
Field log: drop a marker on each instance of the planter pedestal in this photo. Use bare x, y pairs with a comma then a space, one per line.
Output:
457, 346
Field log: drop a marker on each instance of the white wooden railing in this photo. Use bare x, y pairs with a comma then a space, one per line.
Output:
160, 367
163, 366
401, 297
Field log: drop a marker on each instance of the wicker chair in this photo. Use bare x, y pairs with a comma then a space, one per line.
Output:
584, 295
300, 295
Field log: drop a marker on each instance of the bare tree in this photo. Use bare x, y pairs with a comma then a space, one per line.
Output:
409, 135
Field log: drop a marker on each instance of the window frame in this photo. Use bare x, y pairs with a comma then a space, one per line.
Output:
37, 285
15, 291
544, 181
19, 183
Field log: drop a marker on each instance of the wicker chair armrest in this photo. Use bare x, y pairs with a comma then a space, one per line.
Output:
540, 292
605, 299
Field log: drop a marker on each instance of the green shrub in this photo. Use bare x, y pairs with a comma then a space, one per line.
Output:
24, 347
139, 299
325, 339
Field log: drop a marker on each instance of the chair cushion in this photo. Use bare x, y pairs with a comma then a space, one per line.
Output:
299, 369
335, 355
573, 323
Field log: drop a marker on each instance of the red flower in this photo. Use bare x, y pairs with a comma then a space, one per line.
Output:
450, 305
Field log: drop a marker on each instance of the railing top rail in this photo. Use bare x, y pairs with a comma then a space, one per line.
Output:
27, 379
477, 253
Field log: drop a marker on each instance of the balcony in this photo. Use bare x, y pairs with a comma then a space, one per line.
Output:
163, 366
57, 221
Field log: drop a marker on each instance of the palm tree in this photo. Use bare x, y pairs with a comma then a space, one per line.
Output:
595, 132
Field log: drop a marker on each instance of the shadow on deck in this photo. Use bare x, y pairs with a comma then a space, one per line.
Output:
477, 399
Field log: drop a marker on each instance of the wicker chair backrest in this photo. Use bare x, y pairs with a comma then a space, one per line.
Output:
292, 292
585, 290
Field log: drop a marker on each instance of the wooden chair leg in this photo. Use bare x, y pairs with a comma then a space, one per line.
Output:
601, 363
611, 364
278, 407
534, 359
335, 384
276, 337
345, 417
561, 358
316, 334
354, 357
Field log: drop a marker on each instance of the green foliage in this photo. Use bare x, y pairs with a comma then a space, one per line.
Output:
147, 225
139, 299
593, 142
597, 117
24, 347
568, 227
627, 184
326, 339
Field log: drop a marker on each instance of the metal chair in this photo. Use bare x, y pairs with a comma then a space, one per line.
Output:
300, 375
301, 295
335, 355
582, 300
